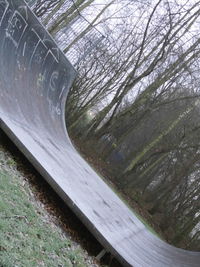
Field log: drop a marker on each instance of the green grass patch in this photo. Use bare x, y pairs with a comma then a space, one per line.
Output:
26, 239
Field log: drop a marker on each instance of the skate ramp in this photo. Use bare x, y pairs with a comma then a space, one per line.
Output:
35, 78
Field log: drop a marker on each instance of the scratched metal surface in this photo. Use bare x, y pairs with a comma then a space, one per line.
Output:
34, 80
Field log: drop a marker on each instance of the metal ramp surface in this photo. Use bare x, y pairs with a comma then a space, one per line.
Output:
34, 80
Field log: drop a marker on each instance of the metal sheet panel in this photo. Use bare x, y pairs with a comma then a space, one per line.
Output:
34, 81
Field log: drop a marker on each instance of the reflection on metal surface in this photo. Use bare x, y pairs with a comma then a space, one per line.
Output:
34, 80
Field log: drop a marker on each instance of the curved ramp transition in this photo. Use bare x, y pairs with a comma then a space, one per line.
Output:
34, 80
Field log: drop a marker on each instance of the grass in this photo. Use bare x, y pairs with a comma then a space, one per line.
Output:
27, 237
